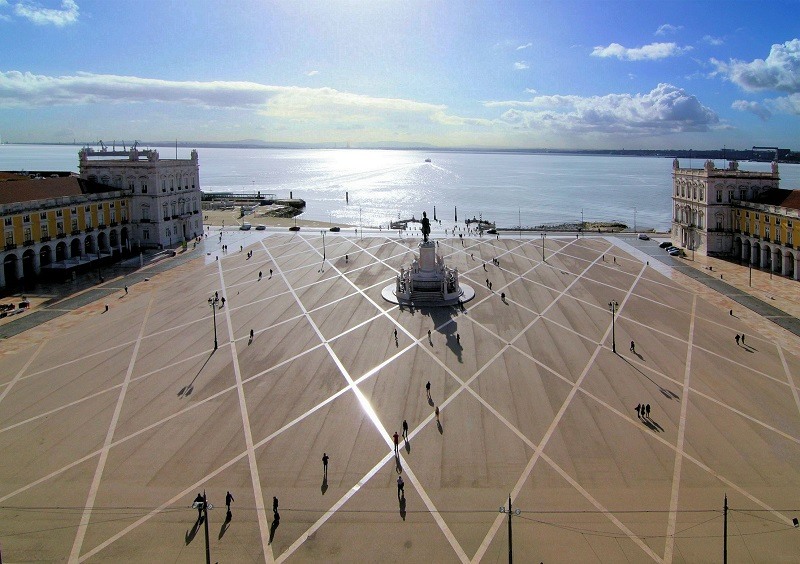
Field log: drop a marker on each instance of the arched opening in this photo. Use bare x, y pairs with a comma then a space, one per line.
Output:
113, 239
75, 248
124, 238
29, 267
45, 255
88, 246
10, 271
102, 242
61, 251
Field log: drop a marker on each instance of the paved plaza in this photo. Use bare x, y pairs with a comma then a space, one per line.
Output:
111, 422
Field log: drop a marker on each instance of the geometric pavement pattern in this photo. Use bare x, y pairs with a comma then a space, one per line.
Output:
111, 426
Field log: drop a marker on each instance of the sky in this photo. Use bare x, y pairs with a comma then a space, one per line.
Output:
569, 74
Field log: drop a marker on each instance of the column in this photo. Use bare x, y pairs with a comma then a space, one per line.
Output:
3, 272
52, 254
36, 263
796, 266
20, 270
764, 256
745, 245
753, 254
785, 263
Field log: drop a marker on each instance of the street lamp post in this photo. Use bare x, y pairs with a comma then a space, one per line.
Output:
543, 236
213, 303
360, 224
509, 512
613, 306
322, 268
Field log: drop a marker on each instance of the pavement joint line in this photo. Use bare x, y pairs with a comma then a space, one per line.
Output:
258, 492
370, 412
9, 385
575, 386
112, 427
789, 376
676, 472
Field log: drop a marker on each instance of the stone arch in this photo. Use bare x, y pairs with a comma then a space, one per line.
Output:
113, 239
45, 255
102, 241
61, 251
75, 248
10, 268
29, 265
89, 245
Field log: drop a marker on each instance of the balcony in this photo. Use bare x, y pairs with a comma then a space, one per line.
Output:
176, 216
27, 243
76, 232
10, 246
113, 224
144, 220
101, 226
166, 218
89, 229
45, 238
61, 236
124, 222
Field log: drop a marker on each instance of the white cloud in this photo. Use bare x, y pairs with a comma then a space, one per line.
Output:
779, 71
521, 47
753, 107
68, 14
312, 73
649, 52
668, 29
531, 91
785, 105
521, 65
665, 109
711, 40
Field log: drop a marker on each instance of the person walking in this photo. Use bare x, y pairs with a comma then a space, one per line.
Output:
401, 493
405, 430
429, 337
259, 275
633, 347
395, 333
106, 308
638, 412
275, 505
325, 459
198, 502
742, 338
251, 334
436, 411
737, 338
396, 438
647, 410
126, 290
428, 389
228, 500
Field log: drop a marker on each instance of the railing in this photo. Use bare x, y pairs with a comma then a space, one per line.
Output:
61, 236
101, 226
166, 218
175, 216
76, 231
144, 220
89, 229
27, 242
10, 246
45, 238
113, 224
124, 222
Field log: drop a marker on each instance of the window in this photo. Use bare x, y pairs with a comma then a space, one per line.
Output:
169, 233
146, 213
757, 217
171, 184
730, 195
88, 221
766, 231
27, 235
9, 237
131, 184
7, 222
166, 211
87, 209
719, 196
43, 216
59, 213
694, 192
789, 237
101, 216
74, 211
146, 234
26, 219
74, 223
143, 184
113, 216
702, 192
45, 230
742, 193
60, 227
111, 205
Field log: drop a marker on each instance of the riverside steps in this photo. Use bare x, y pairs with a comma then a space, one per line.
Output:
101, 407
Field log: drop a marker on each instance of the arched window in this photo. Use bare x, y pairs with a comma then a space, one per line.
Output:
143, 184
145, 212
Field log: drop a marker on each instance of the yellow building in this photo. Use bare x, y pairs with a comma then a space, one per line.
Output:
59, 225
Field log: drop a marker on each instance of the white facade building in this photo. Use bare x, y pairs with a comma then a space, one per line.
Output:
705, 201
164, 194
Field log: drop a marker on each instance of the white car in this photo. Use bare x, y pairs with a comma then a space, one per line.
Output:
643, 237
245, 227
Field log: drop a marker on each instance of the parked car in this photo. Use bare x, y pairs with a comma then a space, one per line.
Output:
260, 227
675, 252
665, 244
245, 227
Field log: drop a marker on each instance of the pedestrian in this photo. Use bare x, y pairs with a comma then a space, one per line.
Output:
251, 334
615, 260
731, 312
647, 410
270, 273
228, 500
633, 347
106, 307
325, 459
126, 290
604, 258
484, 267
429, 336
396, 438
737, 338
458, 338
259, 275
503, 296
487, 282
216, 295
346, 259
436, 411
198, 502
401, 493
742, 335
638, 408
223, 301
405, 430
395, 333
275, 505
428, 389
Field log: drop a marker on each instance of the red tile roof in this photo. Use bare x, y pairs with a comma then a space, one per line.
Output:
46, 188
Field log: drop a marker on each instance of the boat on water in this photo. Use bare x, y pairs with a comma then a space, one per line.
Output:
427, 160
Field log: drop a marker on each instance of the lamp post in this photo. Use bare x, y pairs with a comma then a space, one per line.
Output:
509, 512
213, 303
322, 268
613, 305
543, 236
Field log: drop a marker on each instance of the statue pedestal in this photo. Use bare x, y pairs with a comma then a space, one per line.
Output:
427, 256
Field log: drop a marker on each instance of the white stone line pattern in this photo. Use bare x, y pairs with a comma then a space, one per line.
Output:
22, 370
258, 493
676, 473
112, 427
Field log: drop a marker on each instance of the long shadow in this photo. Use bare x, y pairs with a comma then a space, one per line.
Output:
324, 487
398, 466
274, 527
186, 391
639, 356
225, 525
189, 537
669, 394
408, 446
443, 319
652, 425
439, 426
403, 508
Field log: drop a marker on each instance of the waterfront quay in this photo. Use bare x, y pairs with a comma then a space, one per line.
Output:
113, 419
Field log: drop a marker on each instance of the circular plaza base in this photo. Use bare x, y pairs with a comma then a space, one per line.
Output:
389, 294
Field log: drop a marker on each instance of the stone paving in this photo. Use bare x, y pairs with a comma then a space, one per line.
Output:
112, 422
